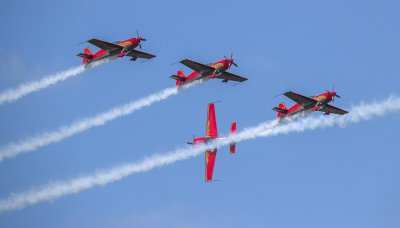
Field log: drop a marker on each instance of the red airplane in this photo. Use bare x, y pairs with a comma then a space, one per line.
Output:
202, 71
115, 50
309, 104
211, 135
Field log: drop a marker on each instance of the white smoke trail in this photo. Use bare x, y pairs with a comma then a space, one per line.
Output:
33, 143
56, 190
357, 113
14, 94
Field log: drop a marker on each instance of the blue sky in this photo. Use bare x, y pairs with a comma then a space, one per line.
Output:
324, 178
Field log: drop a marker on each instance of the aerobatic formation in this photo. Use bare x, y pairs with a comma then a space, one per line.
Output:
201, 73
208, 145
205, 72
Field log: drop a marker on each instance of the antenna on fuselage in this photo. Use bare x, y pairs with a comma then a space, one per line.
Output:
81, 43
174, 63
277, 95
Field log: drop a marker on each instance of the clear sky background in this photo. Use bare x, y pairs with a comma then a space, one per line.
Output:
331, 177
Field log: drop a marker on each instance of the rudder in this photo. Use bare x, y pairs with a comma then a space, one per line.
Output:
282, 106
181, 75
281, 109
87, 55
180, 78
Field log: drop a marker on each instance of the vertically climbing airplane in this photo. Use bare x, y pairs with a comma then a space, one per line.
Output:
211, 135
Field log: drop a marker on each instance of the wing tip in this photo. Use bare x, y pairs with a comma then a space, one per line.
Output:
90, 40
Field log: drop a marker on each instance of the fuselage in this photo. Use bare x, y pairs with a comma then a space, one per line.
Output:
127, 45
219, 67
202, 140
322, 99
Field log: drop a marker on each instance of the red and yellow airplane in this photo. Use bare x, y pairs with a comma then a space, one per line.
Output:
115, 50
309, 104
211, 135
202, 71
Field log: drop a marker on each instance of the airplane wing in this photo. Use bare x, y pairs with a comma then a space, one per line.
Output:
211, 125
110, 47
198, 67
332, 109
300, 99
232, 77
140, 54
210, 161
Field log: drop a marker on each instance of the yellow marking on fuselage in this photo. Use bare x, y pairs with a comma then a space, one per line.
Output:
217, 65
125, 43
320, 97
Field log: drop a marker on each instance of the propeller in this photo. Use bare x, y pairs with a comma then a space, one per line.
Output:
333, 93
228, 59
141, 39
192, 142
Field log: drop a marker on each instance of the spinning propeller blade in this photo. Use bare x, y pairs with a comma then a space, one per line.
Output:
141, 39
231, 59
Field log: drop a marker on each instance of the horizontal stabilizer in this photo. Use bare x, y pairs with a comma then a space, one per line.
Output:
178, 78
85, 56
280, 110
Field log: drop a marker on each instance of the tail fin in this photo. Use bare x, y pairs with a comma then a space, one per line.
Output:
87, 55
232, 146
179, 77
281, 109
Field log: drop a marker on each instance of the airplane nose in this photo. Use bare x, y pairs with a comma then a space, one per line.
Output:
233, 62
230, 61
